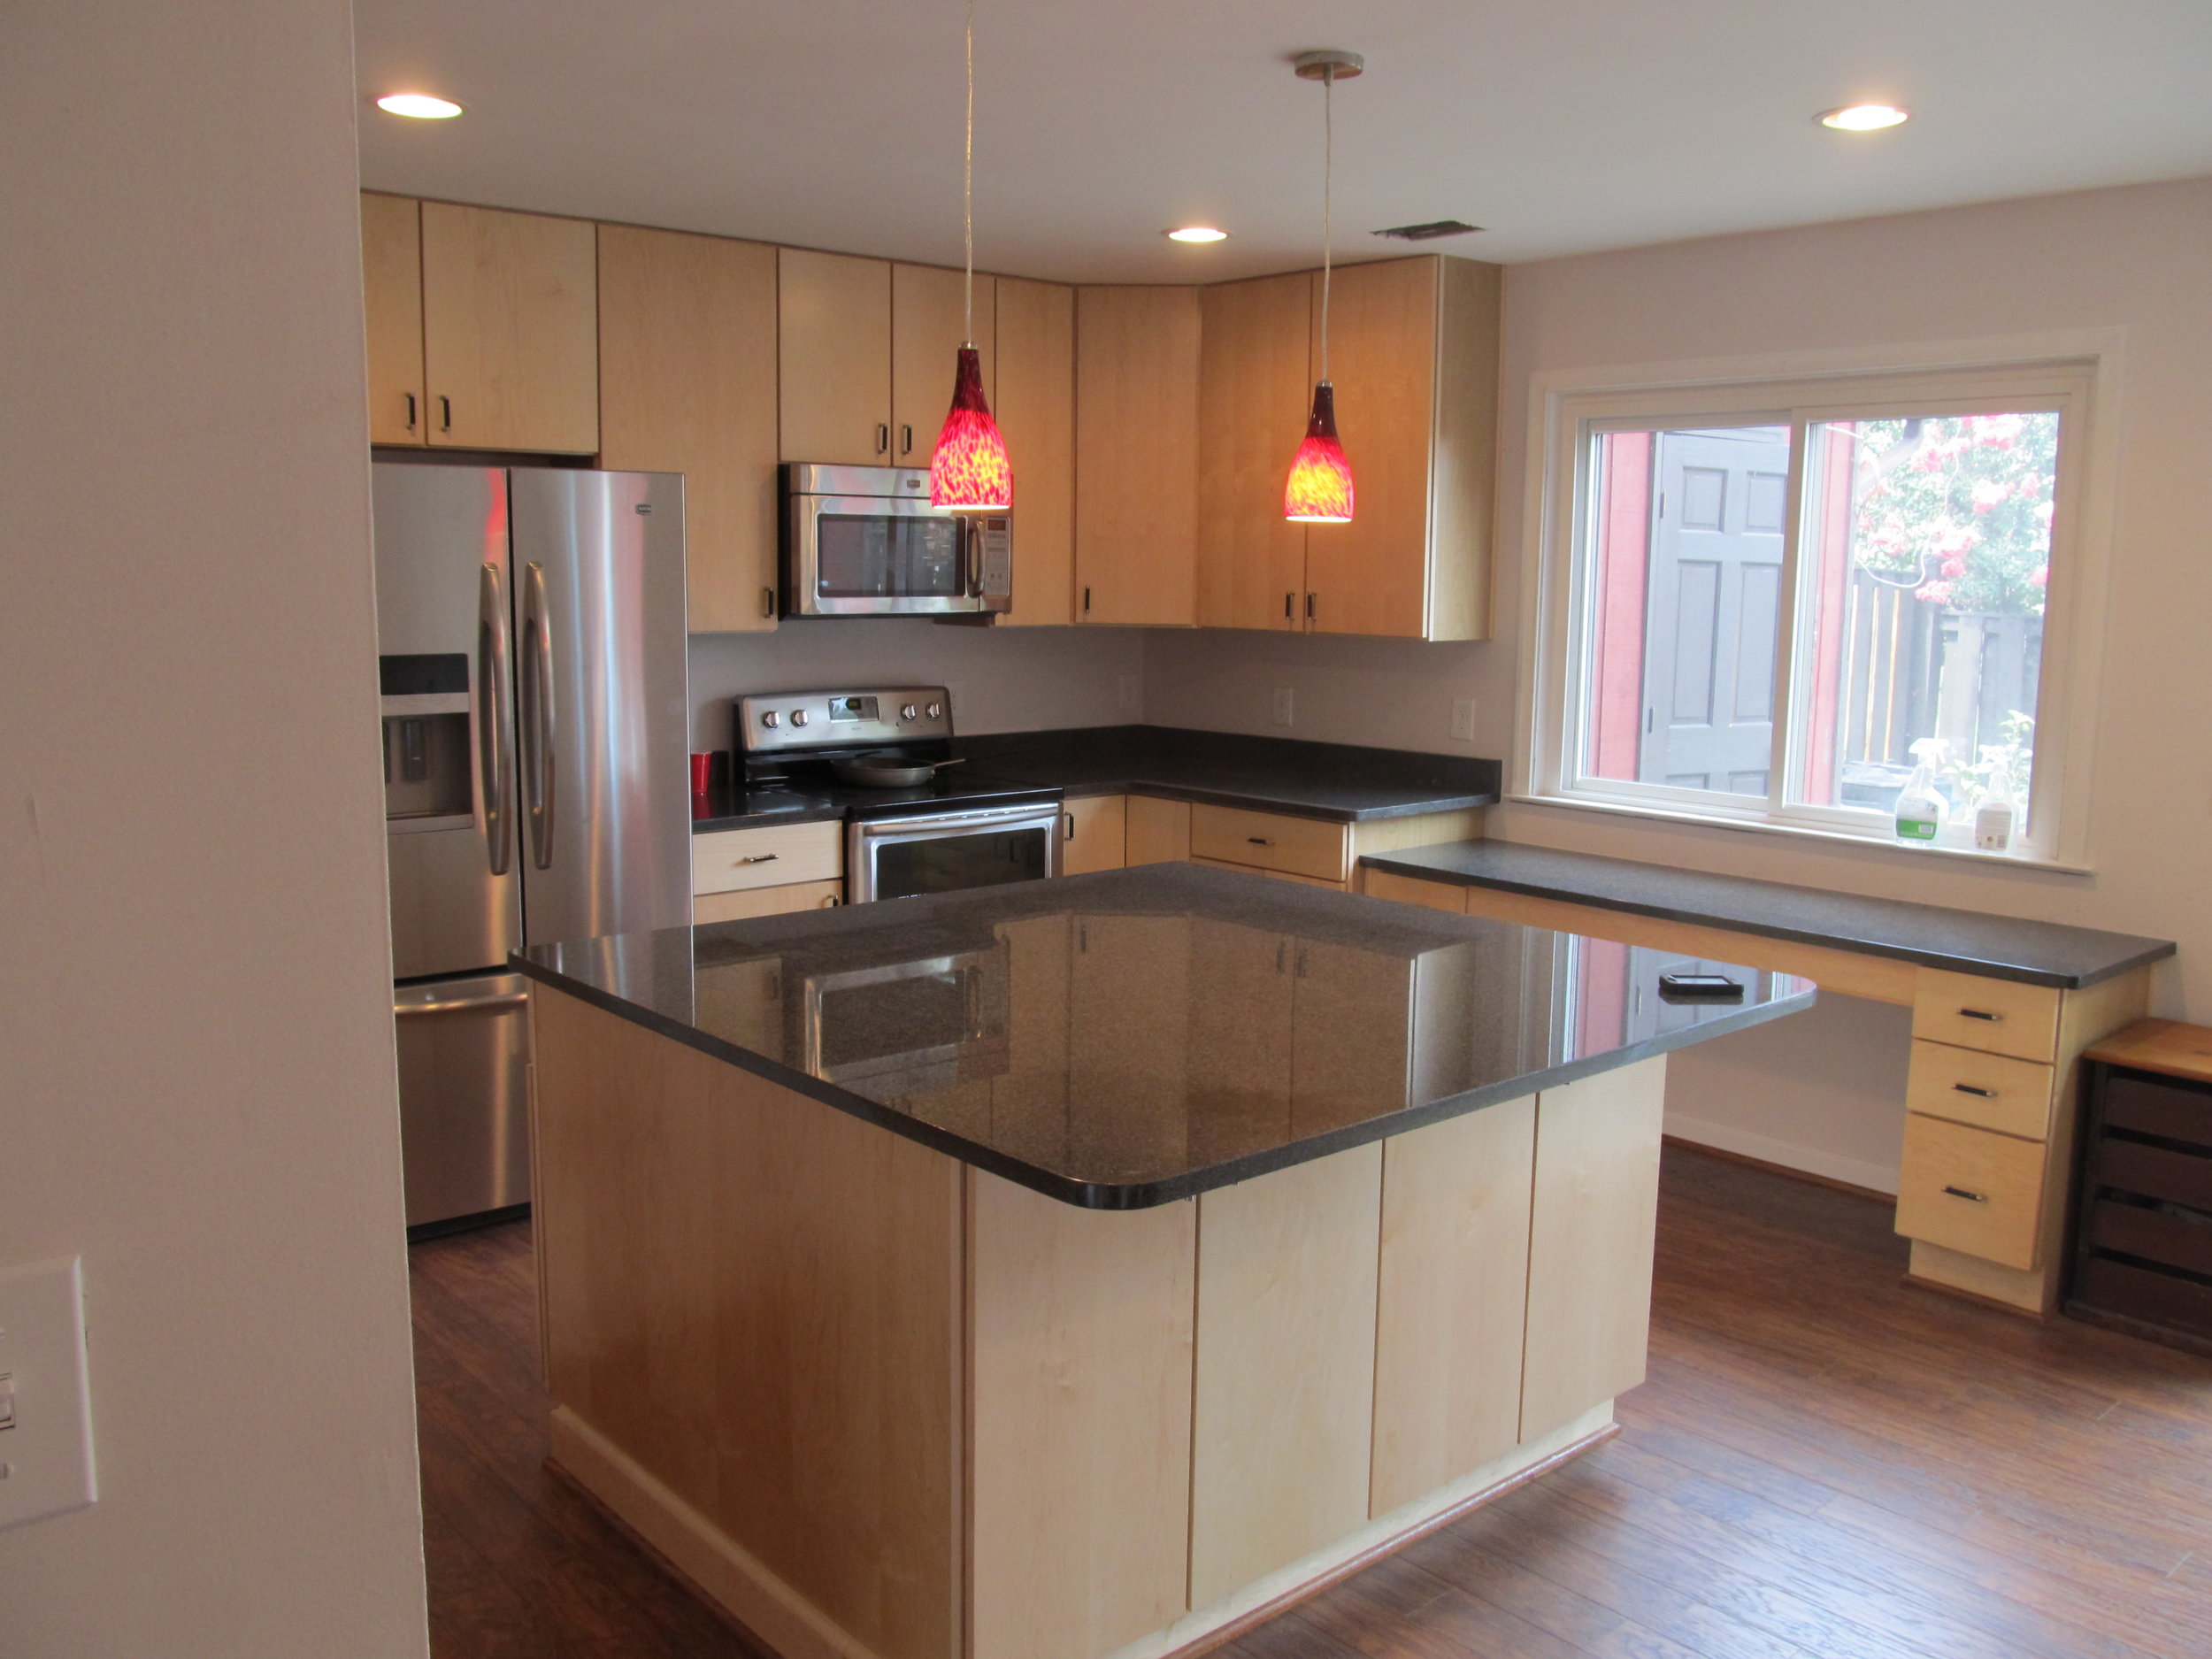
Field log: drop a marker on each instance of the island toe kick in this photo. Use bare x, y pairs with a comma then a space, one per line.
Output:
881, 1404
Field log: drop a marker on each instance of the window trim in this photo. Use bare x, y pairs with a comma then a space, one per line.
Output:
2077, 373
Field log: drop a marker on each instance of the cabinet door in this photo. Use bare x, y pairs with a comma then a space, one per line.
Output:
511, 330
1035, 405
1595, 1213
687, 384
391, 280
1096, 828
749, 902
1158, 831
928, 328
1255, 382
1136, 455
833, 325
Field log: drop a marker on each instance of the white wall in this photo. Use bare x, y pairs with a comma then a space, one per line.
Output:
197, 1093
2139, 259
1002, 679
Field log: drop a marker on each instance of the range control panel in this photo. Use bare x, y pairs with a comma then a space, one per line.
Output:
823, 719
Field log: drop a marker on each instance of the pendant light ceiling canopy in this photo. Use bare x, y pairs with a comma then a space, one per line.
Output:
1319, 487
969, 470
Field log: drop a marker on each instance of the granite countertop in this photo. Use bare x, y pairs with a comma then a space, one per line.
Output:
1129, 1037
1337, 782
1962, 942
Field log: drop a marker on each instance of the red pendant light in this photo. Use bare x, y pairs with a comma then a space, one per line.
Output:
1319, 488
969, 470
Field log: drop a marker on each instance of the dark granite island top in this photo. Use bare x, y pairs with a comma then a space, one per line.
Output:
1929, 936
1123, 1039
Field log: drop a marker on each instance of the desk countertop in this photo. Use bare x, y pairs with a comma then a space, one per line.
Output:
1961, 941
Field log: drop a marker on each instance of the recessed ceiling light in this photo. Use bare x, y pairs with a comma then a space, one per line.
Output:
1863, 118
1197, 233
421, 105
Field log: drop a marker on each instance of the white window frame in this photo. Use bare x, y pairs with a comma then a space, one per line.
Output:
2076, 374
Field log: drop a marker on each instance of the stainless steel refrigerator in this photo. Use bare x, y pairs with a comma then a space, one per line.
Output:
531, 635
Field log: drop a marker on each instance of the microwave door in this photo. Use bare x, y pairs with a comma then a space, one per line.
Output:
873, 556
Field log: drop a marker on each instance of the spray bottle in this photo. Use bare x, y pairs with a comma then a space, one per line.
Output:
1921, 807
1999, 814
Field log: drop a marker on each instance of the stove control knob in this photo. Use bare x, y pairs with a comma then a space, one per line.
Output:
771, 718
908, 712
798, 717
936, 710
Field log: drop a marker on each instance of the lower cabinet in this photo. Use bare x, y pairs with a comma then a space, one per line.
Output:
777, 900
766, 871
1094, 828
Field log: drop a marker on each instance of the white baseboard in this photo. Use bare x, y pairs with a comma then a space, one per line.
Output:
1881, 1177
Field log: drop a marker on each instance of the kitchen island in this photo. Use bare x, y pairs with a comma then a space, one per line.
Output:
1087, 1267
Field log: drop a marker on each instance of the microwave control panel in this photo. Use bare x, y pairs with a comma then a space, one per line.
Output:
842, 719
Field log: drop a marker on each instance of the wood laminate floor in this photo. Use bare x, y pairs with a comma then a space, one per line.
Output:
1825, 1464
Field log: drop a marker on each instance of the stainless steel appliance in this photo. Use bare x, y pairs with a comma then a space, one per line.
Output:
961, 829
864, 541
531, 626
908, 1027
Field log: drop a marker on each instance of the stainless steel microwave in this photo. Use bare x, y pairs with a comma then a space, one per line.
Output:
864, 541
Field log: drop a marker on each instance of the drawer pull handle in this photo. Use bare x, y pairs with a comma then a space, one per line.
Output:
1960, 1191
1970, 1089
1259, 841
759, 858
1980, 1013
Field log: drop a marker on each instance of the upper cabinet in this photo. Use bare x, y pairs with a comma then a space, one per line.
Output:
1255, 380
510, 330
1413, 353
391, 280
1136, 455
868, 356
687, 384
834, 320
1035, 405
928, 328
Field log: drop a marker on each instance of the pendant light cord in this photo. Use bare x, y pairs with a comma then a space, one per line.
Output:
967, 193
1328, 203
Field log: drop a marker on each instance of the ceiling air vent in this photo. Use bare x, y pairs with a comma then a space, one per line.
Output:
1431, 231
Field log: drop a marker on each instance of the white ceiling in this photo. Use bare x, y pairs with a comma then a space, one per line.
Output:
1561, 125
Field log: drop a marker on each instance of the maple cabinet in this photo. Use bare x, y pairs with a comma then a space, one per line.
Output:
1256, 381
1136, 455
928, 328
1034, 401
510, 330
687, 384
391, 283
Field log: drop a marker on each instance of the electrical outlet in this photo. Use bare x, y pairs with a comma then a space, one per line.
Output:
45, 1404
1131, 695
1282, 711
1464, 719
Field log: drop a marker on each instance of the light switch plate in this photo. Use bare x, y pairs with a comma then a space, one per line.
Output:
1282, 713
1464, 719
46, 1457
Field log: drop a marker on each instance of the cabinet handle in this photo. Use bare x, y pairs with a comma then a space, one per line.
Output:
1980, 1013
1070, 829
758, 858
1259, 841
1960, 1191
410, 411
906, 440
1087, 602
1290, 607
1968, 1088
768, 604
830, 900
445, 414
883, 437
1308, 607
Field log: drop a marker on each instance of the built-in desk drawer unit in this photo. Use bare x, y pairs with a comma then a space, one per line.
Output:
1971, 1191
1995, 1016
1991, 1091
1268, 841
775, 855
2144, 1242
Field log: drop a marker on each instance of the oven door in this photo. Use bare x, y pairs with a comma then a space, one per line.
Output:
949, 852
877, 555
908, 1027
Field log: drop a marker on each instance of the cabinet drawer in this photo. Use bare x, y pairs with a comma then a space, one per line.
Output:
2180, 1178
2153, 1236
775, 856
2142, 1293
1993, 1091
1995, 1016
1266, 841
2176, 1112
1271, 875
736, 905
1971, 1191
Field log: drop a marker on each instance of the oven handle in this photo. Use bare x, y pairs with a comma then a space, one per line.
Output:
1042, 811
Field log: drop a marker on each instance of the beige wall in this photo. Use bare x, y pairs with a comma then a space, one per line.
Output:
197, 1090
2138, 259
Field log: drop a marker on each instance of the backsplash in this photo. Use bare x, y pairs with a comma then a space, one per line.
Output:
1002, 679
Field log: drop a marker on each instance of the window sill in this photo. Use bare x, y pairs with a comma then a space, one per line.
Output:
1836, 838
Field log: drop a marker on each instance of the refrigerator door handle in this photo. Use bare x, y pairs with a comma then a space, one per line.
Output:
494, 717
537, 720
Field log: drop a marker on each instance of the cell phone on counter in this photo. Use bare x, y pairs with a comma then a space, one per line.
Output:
1699, 988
